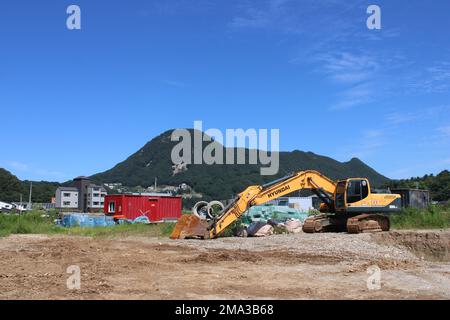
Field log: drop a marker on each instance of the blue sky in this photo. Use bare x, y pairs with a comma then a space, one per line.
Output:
78, 102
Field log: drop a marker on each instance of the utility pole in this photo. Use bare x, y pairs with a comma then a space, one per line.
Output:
20, 204
156, 184
29, 198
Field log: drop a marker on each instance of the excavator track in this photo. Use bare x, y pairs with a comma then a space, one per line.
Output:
358, 224
368, 223
323, 223
313, 225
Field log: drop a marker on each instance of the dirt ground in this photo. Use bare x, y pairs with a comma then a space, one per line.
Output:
413, 264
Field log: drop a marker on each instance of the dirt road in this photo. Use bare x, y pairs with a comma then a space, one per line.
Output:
303, 266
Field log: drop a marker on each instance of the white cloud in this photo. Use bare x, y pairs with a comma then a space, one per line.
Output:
293, 17
365, 144
354, 96
347, 67
445, 131
337, 47
425, 113
267, 14
432, 79
402, 117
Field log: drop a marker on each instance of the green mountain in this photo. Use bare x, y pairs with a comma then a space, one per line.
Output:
11, 188
222, 181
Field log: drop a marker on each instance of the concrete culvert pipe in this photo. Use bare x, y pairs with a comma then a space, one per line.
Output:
215, 208
200, 210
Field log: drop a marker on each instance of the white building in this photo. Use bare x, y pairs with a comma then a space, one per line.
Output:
82, 196
95, 197
66, 198
301, 203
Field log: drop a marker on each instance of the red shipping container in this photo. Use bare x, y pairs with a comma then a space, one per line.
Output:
157, 208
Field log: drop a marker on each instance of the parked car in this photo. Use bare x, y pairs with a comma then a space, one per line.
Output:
21, 206
5, 207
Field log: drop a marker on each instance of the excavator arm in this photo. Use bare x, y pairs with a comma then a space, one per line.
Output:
190, 226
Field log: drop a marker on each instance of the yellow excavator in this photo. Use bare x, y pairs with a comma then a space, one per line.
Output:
347, 205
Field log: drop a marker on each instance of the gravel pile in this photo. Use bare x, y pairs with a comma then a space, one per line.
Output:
360, 246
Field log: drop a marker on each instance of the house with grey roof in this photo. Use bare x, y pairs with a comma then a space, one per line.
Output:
95, 197
83, 196
67, 198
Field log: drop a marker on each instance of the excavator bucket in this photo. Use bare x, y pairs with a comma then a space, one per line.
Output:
190, 226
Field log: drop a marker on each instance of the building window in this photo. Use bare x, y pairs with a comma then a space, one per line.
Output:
96, 203
66, 203
112, 207
66, 194
96, 195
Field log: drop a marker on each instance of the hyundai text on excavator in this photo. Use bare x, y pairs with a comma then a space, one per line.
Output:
348, 205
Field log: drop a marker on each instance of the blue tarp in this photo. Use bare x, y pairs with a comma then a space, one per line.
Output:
70, 220
141, 219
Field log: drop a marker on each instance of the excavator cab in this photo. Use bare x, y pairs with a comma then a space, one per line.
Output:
350, 191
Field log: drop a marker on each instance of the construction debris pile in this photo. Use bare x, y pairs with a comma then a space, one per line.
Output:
260, 221
278, 213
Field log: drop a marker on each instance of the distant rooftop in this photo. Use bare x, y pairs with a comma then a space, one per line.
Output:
145, 194
82, 178
67, 189
152, 194
96, 186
